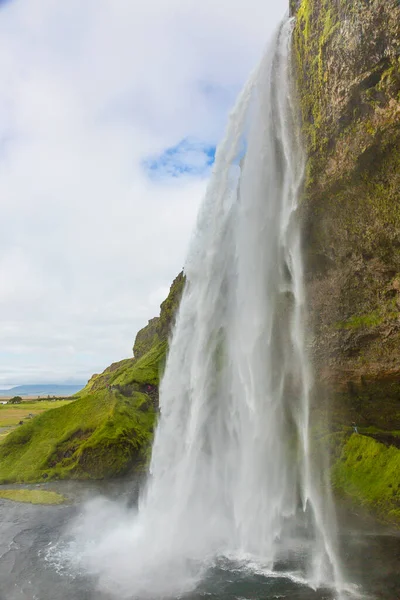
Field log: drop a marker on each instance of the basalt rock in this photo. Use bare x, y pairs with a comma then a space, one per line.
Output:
347, 70
347, 57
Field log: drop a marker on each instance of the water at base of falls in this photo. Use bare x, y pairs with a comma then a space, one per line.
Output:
231, 473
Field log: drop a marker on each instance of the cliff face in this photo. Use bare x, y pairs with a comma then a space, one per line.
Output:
159, 328
347, 67
348, 73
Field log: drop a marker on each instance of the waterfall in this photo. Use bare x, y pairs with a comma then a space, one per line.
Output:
231, 473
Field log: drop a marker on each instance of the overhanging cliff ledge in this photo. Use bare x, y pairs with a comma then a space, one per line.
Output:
347, 67
347, 57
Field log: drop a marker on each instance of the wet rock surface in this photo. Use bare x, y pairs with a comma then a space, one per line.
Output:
347, 70
348, 79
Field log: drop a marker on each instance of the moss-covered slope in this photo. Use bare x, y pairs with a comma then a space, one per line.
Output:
99, 435
109, 428
159, 328
368, 473
145, 370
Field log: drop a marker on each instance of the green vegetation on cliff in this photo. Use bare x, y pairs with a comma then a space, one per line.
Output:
109, 428
347, 70
99, 435
146, 369
159, 329
368, 472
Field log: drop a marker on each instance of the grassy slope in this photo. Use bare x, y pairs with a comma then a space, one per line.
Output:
107, 430
369, 473
93, 437
146, 369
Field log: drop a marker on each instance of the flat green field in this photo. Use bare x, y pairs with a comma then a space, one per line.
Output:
12, 414
32, 496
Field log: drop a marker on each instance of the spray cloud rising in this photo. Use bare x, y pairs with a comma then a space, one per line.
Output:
231, 471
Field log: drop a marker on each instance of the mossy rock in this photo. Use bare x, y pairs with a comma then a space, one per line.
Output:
368, 472
159, 329
347, 73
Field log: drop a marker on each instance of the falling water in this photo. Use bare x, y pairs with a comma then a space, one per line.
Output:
231, 473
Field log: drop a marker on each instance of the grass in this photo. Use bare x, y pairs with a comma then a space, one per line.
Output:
103, 380
105, 432
32, 496
146, 369
369, 473
12, 414
99, 435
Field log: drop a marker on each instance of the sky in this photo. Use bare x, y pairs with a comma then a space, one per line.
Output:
110, 111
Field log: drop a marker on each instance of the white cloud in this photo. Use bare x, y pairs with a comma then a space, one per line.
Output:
89, 91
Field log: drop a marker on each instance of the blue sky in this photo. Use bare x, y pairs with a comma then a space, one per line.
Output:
110, 113
188, 157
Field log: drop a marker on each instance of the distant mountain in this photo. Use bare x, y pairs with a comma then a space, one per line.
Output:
43, 390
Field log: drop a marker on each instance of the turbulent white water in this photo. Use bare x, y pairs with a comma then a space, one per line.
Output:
231, 471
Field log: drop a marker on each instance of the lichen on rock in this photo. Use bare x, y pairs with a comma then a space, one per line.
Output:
347, 69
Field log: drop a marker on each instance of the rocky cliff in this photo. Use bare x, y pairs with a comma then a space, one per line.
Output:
347, 69
346, 58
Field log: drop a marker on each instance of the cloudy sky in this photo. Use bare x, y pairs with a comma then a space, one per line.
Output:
110, 111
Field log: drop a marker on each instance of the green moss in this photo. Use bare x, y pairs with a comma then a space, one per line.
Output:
347, 70
105, 379
369, 473
32, 496
145, 370
358, 321
325, 67
131, 372
170, 307
146, 338
99, 435
303, 26
159, 329
315, 25
109, 428
330, 25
